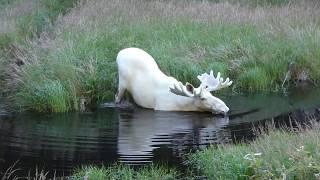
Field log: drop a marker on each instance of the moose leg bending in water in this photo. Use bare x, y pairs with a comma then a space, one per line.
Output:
151, 88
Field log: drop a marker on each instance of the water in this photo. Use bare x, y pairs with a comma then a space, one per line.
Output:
61, 142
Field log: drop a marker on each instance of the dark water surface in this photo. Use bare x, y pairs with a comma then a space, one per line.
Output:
61, 142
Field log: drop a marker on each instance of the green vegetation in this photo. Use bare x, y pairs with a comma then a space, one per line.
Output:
47, 95
22, 21
276, 154
125, 172
252, 42
4, 3
39, 19
114, 172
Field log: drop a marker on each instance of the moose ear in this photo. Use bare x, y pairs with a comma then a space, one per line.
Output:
189, 88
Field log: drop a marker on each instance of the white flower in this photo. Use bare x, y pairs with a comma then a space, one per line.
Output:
257, 154
249, 157
300, 148
311, 164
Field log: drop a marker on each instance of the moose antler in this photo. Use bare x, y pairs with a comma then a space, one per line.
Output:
211, 83
184, 90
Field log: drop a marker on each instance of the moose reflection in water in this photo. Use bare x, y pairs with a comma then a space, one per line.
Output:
61, 142
142, 131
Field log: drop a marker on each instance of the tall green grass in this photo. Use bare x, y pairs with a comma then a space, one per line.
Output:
119, 172
46, 96
39, 20
277, 154
29, 18
43, 95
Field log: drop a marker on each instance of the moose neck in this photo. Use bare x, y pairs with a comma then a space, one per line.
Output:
177, 103
186, 103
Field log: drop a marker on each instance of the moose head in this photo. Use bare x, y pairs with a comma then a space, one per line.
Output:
202, 98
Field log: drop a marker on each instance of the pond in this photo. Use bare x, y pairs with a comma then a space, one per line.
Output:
60, 142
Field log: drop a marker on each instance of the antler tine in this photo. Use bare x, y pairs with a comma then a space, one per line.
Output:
224, 84
181, 90
212, 83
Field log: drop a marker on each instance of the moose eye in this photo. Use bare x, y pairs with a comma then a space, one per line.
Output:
202, 99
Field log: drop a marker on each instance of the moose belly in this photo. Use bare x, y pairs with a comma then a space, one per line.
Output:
143, 93
143, 99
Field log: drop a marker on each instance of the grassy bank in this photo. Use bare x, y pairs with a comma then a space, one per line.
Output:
277, 154
125, 172
114, 172
23, 23
22, 20
252, 43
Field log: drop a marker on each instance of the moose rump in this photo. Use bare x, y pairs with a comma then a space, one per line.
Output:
136, 75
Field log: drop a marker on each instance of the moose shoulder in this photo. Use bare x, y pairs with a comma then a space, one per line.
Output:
151, 88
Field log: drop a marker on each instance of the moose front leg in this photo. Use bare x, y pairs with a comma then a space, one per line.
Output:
119, 94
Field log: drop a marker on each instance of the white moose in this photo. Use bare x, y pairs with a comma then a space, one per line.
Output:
151, 88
